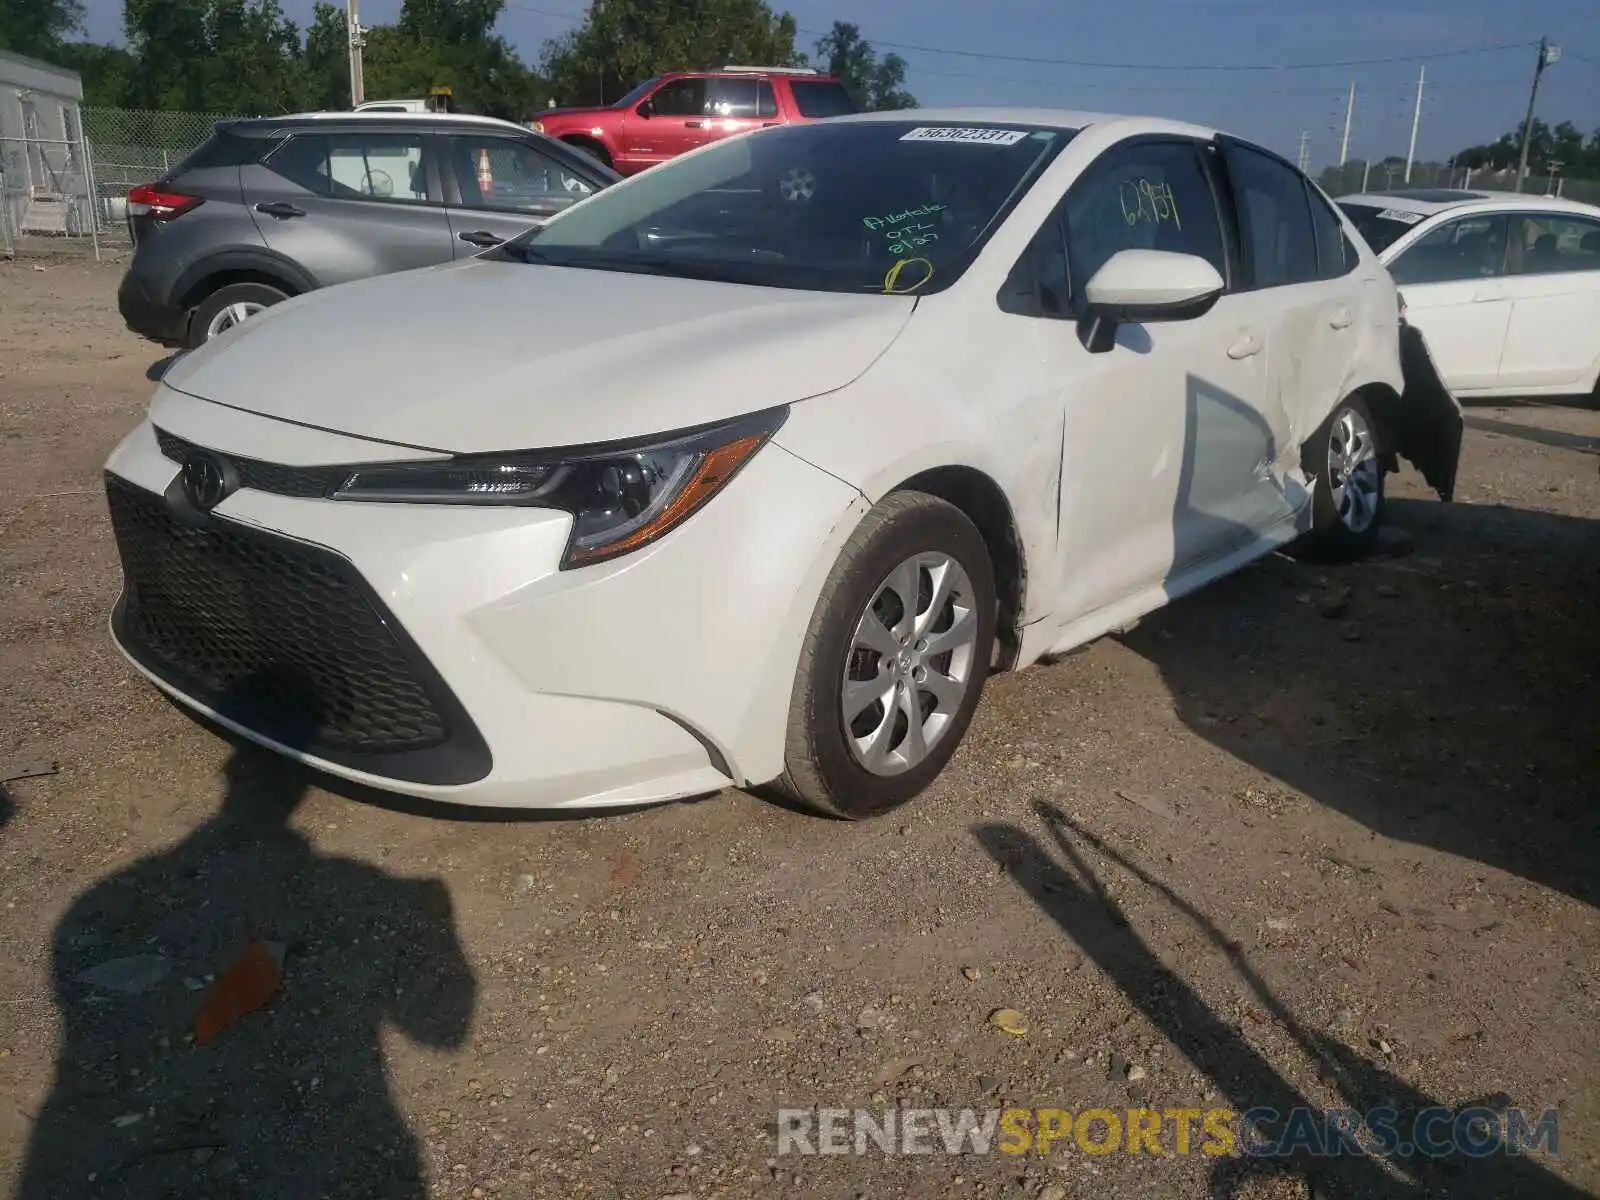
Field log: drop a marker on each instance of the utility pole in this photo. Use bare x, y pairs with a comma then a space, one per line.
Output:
1349, 111
1416, 119
358, 87
1304, 162
1547, 55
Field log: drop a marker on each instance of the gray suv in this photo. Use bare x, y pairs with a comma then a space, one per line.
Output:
268, 208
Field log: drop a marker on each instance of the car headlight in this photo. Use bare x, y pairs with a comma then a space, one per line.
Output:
538, 126
621, 496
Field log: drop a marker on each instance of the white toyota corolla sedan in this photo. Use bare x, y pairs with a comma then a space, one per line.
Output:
1505, 287
719, 480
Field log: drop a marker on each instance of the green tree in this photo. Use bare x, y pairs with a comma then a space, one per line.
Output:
37, 27
327, 59
876, 83
107, 71
623, 42
1564, 143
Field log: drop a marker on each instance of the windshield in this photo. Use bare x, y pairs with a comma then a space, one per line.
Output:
1381, 227
889, 207
637, 94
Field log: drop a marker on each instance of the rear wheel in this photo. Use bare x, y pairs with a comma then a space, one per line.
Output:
895, 659
1348, 475
227, 307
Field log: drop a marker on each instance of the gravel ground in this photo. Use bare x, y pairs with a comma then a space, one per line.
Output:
1315, 836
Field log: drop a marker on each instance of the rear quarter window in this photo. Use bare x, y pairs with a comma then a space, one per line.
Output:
819, 98
222, 149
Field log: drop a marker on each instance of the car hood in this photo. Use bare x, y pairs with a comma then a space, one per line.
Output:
484, 355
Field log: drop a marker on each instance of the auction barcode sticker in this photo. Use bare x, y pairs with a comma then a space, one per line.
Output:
959, 133
1401, 215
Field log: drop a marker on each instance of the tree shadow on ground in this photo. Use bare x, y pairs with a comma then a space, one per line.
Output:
1071, 893
294, 1099
1452, 705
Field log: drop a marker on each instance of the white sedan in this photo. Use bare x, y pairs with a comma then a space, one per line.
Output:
1505, 287
712, 483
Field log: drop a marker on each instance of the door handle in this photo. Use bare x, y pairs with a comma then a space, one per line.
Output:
279, 208
694, 124
1340, 319
1247, 346
1486, 297
768, 124
481, 237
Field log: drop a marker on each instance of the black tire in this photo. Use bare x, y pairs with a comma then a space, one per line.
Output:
821, 771
1334, 535
211, 308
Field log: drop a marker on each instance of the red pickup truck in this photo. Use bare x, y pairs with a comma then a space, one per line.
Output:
677, 112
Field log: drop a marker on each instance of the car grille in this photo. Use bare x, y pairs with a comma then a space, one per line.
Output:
285, 639
304, 482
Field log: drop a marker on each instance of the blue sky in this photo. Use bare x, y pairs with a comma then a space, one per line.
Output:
1467, 98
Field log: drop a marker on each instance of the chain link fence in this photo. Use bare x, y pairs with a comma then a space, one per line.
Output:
70, 195
1357, 176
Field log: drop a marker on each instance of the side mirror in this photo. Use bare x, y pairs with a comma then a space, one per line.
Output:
1138, 286
646, 108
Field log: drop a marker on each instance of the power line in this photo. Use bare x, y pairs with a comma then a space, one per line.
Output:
1146, 66
1120, 66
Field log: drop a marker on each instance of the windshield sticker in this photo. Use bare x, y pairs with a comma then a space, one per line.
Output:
921, 272
1401, 215
1146, 201
958, 133
922, 210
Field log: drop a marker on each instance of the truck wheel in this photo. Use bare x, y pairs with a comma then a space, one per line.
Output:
594, 150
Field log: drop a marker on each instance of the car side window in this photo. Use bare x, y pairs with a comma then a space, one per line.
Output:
378, 166
1040, 283
504, 173
1147, 195
1552, 245
1280, 244
766, 100
733, 98
1472, 247
1335, 255
303, 161
680, 98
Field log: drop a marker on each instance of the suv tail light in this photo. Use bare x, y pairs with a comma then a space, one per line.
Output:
151, 201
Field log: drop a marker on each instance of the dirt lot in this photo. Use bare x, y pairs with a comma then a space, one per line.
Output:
1263, 850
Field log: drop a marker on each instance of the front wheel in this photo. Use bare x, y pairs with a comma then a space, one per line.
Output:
1347, 505
894, 660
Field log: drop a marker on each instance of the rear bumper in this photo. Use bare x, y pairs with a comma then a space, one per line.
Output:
164, 323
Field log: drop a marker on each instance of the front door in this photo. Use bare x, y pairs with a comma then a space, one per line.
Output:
350, 205
675, 119
1453, 281
1164, 431
498, 187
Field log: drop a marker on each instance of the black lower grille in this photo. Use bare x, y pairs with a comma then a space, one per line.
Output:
287, 640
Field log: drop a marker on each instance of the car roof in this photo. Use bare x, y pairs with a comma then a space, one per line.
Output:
1429, 201
379, 118
1048, 118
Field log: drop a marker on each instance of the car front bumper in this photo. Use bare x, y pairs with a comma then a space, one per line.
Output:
438, 651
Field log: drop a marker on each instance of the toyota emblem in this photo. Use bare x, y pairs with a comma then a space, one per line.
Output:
207, 480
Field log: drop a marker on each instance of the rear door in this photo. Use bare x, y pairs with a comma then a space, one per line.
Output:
738, 103
1453, 281
498, 186
1553, 281
350, 204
